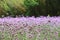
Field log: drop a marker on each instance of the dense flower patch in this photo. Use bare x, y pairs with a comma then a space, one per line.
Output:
30, 28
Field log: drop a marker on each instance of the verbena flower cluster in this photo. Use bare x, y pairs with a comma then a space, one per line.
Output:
30, 28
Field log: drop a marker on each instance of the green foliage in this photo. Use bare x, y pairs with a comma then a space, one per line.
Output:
12, 7
59, 34
29, 7
53, 7
29, 4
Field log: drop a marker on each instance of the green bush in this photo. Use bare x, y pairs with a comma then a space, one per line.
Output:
29, 7
12, 7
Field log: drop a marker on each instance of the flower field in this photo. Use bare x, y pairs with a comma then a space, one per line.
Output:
30, 28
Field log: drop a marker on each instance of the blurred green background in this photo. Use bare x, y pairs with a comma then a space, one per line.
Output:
29, 8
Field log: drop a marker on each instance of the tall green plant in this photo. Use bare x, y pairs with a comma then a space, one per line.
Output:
13, 7
29, 4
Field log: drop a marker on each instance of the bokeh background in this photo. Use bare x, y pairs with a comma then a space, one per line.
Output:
35, 8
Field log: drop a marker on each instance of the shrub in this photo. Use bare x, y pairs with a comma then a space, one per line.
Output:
12, 7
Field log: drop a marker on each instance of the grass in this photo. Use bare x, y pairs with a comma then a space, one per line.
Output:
45, 34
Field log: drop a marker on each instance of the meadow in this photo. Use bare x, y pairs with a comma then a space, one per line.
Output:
30, 28
29, 19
